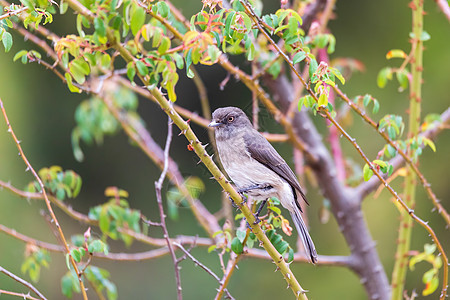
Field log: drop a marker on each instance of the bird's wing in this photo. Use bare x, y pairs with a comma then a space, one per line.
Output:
262, 151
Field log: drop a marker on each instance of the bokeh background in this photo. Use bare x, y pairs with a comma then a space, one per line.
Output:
41, 110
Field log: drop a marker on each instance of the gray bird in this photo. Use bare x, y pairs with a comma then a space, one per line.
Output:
257, 169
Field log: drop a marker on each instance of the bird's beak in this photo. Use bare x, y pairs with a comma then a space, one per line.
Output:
214, 124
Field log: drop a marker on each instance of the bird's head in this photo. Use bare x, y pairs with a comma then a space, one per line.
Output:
229, 121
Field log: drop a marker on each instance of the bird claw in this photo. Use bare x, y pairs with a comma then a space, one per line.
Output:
257, 220
244, 200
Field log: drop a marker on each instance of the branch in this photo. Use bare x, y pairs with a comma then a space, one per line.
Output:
369, 186
21, 295
13, 13
445, 8
198, 263
405, 157
158, 187
257, 21
23, 282
47, 201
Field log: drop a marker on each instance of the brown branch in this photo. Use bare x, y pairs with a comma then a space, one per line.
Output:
47, 201
369, 186
23, 282
13, 13
444, 7
158, 188
21, 295
198, 263
405, 157
425, 225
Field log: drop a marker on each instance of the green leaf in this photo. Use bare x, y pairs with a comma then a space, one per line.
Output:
396, 53
100, 27
312, 67
384, 75
431, 285
428, 142
402, 79
367, 172
164, 46
229, 20
20, 54
76, 254
425, 36
170, 87
131, 71
236, 246
163, 9
137, 18
240, 234
323, 100
141, 67
104, 221
291, 255
7, 40
96, 246
376, 106
298, 57
70, 85
79, 68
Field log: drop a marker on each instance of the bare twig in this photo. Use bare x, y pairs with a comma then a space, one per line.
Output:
406, 158
158, 187
22, 281
21, 295
47, 201
13, 13
365, 188
198, 263
445, 8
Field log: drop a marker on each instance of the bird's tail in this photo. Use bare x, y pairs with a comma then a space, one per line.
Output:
304, 235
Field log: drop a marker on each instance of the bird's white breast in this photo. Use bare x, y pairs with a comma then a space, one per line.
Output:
245, 172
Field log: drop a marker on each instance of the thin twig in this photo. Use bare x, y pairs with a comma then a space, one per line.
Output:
408, 161
47, 201
445, 7
13, 13
158, 187
198, 263
21, 295
22, 281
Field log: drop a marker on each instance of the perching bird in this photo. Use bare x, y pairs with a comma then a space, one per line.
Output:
257, 169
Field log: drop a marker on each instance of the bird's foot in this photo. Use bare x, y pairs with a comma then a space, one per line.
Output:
244, 200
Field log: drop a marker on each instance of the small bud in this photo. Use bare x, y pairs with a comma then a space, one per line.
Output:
87, 234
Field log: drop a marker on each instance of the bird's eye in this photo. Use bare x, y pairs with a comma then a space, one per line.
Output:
230, 119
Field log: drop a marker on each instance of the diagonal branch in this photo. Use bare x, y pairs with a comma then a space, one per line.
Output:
47, 201
198, 263
22, 281
405, 157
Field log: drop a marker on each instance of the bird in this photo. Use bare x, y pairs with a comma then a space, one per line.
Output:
257, 169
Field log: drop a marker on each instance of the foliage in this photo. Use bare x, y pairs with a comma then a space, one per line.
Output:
149, 46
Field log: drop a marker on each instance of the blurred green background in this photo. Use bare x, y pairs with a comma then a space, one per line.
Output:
41, 110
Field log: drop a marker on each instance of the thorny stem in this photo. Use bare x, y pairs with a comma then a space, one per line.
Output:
23, 282
21, 295
407, 159
47, 201
409, 211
